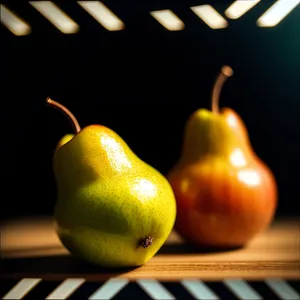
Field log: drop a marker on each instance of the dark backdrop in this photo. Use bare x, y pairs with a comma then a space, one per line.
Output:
144, 82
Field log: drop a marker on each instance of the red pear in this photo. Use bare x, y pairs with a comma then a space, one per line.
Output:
225, 193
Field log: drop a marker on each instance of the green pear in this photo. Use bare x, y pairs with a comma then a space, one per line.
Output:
112, 209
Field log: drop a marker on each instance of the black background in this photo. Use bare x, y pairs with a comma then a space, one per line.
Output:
144, 82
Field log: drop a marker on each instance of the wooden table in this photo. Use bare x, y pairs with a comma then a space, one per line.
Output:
31, 249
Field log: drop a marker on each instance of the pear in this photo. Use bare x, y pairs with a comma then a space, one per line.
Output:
112, 209
225, 193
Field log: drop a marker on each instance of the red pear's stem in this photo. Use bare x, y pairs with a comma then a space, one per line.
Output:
64, 110
226, 72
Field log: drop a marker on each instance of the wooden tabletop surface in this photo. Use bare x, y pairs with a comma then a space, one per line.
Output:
31, 248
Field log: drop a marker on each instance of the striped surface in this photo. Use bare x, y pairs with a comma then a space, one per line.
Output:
19, 23
120, 288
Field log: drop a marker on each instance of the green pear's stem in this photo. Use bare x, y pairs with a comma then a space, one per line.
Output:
226, 72
64, 110
145, 243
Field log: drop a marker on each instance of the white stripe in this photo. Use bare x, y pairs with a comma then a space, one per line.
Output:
102, 14
22, 288
239, 8
168, 19
242, 289
155, 289
199, 290
13, 23
109, 289
283, 289
210, 16
66, 288
277, 12
56, 16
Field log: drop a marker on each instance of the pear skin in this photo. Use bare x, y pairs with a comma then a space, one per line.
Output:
113, 209
65, 139
225, 194
236, 123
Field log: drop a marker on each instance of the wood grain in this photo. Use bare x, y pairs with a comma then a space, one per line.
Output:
31, 248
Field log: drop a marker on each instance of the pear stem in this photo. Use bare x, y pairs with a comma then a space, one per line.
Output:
64, 110
226, 72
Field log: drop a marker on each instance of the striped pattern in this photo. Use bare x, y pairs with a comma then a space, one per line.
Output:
167, 18
120, 288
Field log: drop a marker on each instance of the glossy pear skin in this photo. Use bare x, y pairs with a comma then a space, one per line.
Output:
109, 200
225, 194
